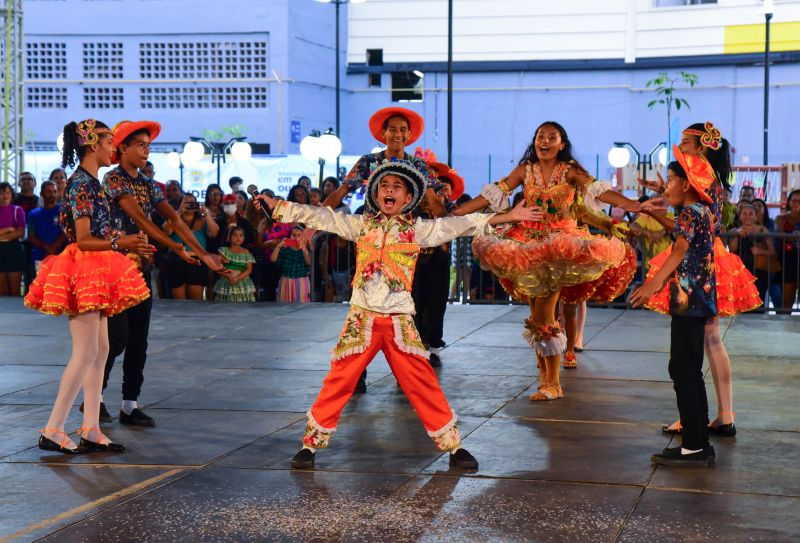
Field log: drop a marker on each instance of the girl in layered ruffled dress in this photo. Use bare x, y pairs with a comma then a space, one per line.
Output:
736, 289
89, 281
236, 286
536, 259
293, 257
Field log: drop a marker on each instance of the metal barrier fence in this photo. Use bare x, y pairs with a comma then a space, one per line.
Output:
776, 275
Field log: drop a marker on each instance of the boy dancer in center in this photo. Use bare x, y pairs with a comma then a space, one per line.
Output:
691, 292
381, 313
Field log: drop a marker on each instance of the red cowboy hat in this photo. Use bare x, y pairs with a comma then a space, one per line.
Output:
415, 122
123, 129
450, 175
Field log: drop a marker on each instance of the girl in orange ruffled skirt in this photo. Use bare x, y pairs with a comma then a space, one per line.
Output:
88, 282
536, 259
736, 289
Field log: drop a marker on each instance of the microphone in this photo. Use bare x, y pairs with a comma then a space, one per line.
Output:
252, 190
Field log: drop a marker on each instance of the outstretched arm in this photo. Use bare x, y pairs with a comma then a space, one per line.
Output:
495, 194
319, 218
646, 291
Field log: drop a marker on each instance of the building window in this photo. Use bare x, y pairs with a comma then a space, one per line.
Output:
407, 86
103, 98
203, 60
46, 97
45, 60
223, 97
673, 3
102, 60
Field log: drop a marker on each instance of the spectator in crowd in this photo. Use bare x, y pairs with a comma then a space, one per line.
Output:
26, 199
329, 186
12, 253
149, 171
775, 268
295, 264
747, 193
305, 181
266, 241
187, 280
59, 177
789, 223
654, 238
757, 253
298, 194
173, 193
315, 197
236, 285
728, 209
44, 230
213, 203
235, 183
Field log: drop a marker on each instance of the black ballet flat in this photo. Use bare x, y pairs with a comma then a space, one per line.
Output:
463, 459
723, 430
91, 446
578, 349
304, 459
49, 445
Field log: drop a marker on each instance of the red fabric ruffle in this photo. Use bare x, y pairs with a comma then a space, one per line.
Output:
736, 288
76, 282
608, 287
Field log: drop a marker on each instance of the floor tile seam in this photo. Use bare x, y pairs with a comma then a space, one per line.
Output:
484, 325
112, 505
636, 502
575, 421
29, 388
95, 465
721, 492
198, 386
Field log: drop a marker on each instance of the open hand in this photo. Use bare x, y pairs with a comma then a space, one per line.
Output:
522, 213
642, 294
213, 262
137, 243
269, 202
187, 257
657, 186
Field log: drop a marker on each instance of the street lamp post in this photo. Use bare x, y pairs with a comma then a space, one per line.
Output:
338, 4
196, 147
174, 160
619, 157
320, 148
768, 9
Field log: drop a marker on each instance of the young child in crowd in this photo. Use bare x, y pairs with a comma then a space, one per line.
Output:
236, 285
381, 312
315, 197
690, 292
294, 260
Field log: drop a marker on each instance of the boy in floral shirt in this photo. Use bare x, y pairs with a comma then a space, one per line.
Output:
381, 308
690, 294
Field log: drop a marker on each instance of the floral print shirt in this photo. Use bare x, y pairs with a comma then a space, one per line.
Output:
85, 198
118, 183
362, 170
693, 290
386, 248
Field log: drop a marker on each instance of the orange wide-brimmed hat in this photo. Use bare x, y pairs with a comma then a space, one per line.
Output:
439, 170
699, 172
415, 122
123, 129
455, 180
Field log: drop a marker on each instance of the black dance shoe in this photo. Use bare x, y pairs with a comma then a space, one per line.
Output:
723, 430
91, 446
361, 386
49, 445
462, 459
105, 416
435, 361
136, 418
303, 459
674, 457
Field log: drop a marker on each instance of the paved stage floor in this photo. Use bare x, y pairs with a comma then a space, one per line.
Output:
229, 386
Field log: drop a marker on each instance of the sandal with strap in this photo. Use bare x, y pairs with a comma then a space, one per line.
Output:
92, 446
47, 444
672, 429
570, 361
547, 392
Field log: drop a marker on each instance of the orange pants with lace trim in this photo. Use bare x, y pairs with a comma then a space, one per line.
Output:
414, 375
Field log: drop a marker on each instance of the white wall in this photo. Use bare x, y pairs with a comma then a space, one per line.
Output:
495, 30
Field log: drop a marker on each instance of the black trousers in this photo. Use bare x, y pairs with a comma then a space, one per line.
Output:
686, 372
127, 332
430, 291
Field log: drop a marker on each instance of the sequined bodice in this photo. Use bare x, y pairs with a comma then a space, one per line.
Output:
554, 196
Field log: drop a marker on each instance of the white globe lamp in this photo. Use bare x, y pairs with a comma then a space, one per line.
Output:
193, 152
241, 151
662, 156
173, 160
309, 148
619, 157
330, 147
60, 143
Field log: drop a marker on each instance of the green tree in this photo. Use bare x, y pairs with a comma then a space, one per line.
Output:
664, 87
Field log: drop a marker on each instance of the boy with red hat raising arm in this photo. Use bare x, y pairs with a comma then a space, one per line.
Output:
388, 241
133, 197
691, 290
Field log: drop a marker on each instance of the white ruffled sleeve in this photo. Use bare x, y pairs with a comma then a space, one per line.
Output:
593, 192
498, 200
319, 218
431, 233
